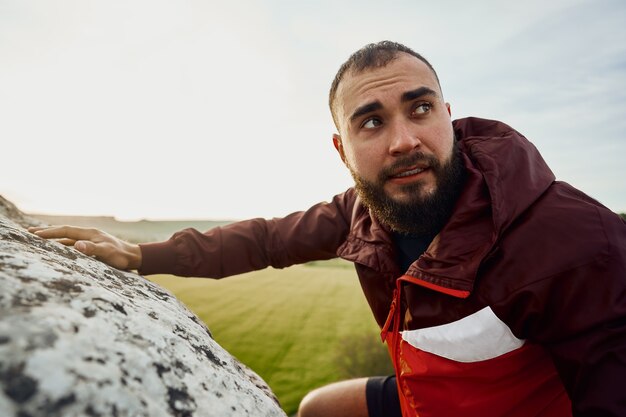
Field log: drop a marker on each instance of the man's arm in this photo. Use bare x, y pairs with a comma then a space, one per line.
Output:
579, 315
240, 247
589, 349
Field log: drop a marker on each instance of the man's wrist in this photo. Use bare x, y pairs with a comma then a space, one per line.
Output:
135, 257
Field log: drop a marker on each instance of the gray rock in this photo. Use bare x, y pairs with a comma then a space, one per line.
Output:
78, 338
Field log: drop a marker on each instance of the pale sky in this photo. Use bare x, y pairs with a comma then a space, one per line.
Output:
174, 109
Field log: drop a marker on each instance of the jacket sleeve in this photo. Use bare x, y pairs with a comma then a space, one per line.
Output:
254, 244
579, 316
591, 357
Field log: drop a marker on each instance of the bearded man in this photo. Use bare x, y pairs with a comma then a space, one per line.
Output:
499, 291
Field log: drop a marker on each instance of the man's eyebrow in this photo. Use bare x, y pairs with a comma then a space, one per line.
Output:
408, 96
417, 93
366, 108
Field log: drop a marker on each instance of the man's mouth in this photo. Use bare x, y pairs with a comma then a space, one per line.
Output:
408, 173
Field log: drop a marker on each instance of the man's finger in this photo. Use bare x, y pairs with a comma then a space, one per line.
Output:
66, 242
66, 232
86, 247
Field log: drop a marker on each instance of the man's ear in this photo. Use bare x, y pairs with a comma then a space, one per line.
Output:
449, 109
339, 146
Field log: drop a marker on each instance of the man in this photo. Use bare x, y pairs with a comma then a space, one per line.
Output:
499, 291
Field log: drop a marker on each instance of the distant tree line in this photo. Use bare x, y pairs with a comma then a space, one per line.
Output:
623, 216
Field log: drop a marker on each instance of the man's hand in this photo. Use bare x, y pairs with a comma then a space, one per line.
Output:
93, 242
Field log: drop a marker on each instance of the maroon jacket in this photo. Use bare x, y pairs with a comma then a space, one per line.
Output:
548, 260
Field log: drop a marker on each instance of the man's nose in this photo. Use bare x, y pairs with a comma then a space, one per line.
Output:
404, 139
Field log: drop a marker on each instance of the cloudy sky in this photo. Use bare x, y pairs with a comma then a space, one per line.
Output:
168, 109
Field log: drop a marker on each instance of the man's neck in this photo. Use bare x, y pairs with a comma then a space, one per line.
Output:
409, 248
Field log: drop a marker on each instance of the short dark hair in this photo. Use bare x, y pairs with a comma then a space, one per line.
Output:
373, 55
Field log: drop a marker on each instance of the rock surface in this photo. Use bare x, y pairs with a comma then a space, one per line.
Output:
78, 338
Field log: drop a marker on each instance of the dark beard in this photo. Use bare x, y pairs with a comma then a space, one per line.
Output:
420, 216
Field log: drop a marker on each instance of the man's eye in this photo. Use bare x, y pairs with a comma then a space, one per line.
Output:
371, 123
422, 108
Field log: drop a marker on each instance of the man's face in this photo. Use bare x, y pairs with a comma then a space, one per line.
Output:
386, 117
396, 135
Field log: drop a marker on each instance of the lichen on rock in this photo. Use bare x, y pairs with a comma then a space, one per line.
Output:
79, 338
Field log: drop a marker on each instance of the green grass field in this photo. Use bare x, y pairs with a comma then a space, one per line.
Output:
294, 327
